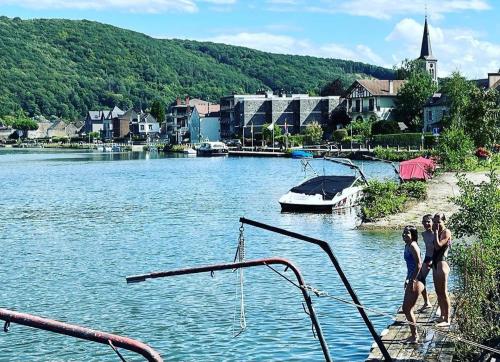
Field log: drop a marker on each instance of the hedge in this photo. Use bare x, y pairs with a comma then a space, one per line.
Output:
398, 139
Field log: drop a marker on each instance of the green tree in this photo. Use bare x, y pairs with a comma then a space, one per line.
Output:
362, 128
457, 90
158, 110
267, 132
481, 117
411, 99
23, 123
313, 132
334, 88
455, 150
407, 68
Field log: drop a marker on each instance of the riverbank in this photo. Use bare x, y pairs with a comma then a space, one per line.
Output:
440, 189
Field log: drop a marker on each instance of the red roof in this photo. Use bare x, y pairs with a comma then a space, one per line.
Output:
417, 169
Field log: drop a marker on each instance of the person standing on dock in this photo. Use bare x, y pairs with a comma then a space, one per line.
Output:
414, 284
428, 237
441, 269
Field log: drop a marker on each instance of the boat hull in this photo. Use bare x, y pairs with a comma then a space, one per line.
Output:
294, 202
210, 153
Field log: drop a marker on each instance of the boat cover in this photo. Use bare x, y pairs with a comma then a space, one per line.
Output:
328, 186
417, 169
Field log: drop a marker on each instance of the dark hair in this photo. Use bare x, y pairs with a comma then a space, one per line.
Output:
440, 215
427, 217
413, 232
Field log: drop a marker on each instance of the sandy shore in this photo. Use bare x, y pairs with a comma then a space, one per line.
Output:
439, 191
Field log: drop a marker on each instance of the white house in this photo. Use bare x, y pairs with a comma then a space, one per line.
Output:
372, 99
203, 126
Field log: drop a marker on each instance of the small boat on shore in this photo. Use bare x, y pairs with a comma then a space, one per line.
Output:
189, 152
323, 194
208, 149
301, 154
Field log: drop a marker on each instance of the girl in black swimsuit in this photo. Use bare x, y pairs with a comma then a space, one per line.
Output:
441, 269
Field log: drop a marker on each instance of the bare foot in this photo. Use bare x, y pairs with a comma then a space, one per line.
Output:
411, 340
424, 307
443, 324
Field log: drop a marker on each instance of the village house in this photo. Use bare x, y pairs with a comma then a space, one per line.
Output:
179, 125
204, 123
146, 126
372, 99
102, 121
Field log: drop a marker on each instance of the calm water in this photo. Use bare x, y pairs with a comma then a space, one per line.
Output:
73, 225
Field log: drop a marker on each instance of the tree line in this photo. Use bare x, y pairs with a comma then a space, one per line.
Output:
66, 68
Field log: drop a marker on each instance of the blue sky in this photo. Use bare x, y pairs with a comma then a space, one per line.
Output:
465, 34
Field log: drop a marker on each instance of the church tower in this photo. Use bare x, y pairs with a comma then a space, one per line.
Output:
426, 53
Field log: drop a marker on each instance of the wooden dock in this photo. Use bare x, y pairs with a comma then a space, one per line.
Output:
432, 346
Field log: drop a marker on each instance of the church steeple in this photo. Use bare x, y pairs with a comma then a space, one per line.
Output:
426, 50
426, 53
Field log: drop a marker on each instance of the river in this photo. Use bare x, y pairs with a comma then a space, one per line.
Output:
75, 224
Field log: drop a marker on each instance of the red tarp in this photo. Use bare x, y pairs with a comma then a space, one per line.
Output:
417, 169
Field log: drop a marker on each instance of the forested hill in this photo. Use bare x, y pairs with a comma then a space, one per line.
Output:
66, 67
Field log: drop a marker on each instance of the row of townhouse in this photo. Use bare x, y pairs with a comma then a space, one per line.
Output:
116, 123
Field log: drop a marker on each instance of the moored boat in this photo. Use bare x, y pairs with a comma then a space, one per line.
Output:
323, 194
212, 149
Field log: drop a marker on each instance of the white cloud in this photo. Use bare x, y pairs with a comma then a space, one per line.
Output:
455, 49
285, 44
381, 9
139, 6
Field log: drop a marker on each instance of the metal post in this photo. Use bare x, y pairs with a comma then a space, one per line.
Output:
327, 249
79, 332
247, 264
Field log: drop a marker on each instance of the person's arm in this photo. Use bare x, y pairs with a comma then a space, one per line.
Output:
441, 238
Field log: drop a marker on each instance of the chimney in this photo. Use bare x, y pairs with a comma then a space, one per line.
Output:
391, 86
188, 109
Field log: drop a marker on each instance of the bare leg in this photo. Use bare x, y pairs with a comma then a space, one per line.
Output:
425, 271
409, 302
441, 284
437, 287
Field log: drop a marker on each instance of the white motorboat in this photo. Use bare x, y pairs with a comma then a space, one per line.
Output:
212, 149
323, 194
189, 152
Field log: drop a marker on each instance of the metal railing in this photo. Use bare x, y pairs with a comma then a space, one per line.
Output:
112, 340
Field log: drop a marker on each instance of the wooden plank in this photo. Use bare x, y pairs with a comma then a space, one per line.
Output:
433, 346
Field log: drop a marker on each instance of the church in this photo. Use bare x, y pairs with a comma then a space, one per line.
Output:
374, 99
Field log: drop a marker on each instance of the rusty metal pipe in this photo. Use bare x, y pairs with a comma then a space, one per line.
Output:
247, 264
327, 249
80, 332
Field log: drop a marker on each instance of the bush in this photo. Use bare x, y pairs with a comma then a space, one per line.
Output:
340, 134
385, 127
414, 189
384, 198
391, 154
455, 150
430, 141
398, 139
477, 263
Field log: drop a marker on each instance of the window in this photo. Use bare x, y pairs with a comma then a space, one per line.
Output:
371, 104
142, 127
358, 105
350, 104
150, 127
429, 115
